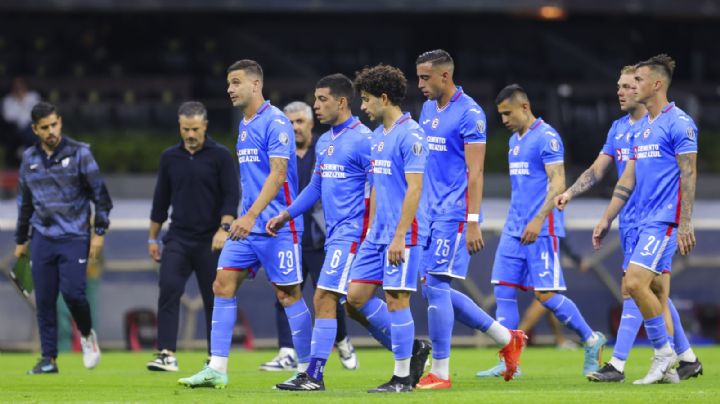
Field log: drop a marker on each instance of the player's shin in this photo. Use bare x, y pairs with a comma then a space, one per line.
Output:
507, 312
440, 322
223, 321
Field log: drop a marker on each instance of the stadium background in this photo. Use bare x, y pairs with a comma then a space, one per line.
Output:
119, 69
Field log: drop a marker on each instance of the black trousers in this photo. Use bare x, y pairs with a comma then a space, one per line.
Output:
179, 260
312, 262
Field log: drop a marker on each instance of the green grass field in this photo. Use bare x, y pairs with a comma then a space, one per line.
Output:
549, 375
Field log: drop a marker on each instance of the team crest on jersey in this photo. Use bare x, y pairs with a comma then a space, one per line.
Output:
381, 146
554, 145
243, 135
283, 138
435, 123
646, 133
480, 124
65, 162
417, 148
330, 150
691, 133
516, 150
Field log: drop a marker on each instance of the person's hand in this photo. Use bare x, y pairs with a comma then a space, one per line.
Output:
473, 238
218, 240
600, 231
562, 200
20, 250
685, 237
241, 227
154, 251
396, 250
276, 223
96, 245
531, 232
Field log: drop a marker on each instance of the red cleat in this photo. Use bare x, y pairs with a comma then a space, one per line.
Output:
511, 353
432, 382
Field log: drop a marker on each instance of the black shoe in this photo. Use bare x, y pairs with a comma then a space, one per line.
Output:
687, 370
395, 385
421, 350
302, 382
608, 374
44, 366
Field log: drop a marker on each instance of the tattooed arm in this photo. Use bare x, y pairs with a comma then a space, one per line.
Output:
243, 225
688, 176
621, 194
587, 180
556, 184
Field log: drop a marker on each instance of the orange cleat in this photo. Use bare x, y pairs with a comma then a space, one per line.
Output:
432, 382
511, 353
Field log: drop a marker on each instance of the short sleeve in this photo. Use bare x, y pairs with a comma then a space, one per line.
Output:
279, 137
414, 151
683, 134
552, 149
473, 125
608, 146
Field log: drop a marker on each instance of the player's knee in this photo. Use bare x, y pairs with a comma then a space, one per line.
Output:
397, 300
633, 285
325, 304
544, 296
222, 288
288, 295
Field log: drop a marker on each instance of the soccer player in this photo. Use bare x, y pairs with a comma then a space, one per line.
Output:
58, 179
529, 245
617, 148
454, 125
660, 175
339, 181
391, 253
269, 184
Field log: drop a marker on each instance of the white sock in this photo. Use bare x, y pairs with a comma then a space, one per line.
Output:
688, 356
665, 350
441, 368
618, 364
218, 363
499, 333
593, 339
302, 367
402, 367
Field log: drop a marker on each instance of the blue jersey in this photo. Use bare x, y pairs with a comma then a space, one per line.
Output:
657, 175
401, 149
619, 143
527, 158
341, 171
267, 134
448, 130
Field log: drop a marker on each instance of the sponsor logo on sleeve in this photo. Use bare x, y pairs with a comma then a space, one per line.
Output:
691, 133
417, 148
284, 138
480, 124
554, 145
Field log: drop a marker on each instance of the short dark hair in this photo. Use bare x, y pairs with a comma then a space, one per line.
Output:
662, 64
435, 57
382, 79
338, 84
42, 110
249, 66
192, 108
512, 91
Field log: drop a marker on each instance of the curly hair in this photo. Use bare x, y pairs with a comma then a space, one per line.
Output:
382, 79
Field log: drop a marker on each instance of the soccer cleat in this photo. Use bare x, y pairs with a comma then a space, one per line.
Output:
421, 351
302, 382
432, 382
91, 350
608, 374
593, 354
208, 377
346, 351
687, 370
395, 385
285, 360
659, 366
44, 366
510, 353
670, 377
164, 361
497, 371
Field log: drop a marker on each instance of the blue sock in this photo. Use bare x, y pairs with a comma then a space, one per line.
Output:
440, 314
656, 331
567, 312
402, 334
679, 338
223, 320
469, 313
323, 337
376, 313
630, 322
301, 327
507, 312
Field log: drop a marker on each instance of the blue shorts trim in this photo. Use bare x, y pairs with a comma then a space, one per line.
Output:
446, 253
280, 256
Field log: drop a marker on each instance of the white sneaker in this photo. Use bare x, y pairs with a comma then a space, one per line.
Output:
286, 359
661, 364
346, 351
670, 377
164, 361
91, 350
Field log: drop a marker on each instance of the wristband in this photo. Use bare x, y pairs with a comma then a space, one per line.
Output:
473, 217
153, 241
